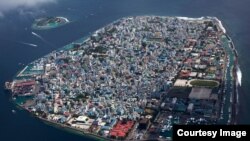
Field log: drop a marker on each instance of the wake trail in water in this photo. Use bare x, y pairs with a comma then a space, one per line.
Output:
35, 34
21, 42
41, 38
28, 44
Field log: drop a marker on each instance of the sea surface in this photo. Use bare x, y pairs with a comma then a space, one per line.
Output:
88, 16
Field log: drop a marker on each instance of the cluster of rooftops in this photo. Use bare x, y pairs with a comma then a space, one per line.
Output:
133, 74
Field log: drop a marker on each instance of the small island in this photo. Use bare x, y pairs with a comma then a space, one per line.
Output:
134, 78
49, 22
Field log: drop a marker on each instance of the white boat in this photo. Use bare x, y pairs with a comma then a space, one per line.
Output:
13, 111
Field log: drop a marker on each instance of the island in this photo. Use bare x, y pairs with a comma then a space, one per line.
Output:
49, 22
134, 78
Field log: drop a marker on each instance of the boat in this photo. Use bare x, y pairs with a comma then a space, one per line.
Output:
7, 85
13, 111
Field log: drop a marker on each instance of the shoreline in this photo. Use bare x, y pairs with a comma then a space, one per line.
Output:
204, 18
235, 101
64, 127
64, 19
221, 25
235, 94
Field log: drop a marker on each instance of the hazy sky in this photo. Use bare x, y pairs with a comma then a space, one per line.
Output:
7, 5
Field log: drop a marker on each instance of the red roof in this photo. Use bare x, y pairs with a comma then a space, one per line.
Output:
184, 73
27, 83
121, 128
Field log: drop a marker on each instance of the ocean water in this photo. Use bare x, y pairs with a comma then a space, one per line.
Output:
88, 16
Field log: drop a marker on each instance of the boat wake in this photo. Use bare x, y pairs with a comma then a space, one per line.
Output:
41, 38
38, 36
20, 42
29, 44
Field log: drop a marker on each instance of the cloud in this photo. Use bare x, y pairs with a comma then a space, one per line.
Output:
7, 5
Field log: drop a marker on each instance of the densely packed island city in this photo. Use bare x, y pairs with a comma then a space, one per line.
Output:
134, 78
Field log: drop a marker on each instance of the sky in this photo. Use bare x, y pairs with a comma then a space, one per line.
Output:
7, 5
